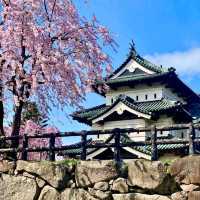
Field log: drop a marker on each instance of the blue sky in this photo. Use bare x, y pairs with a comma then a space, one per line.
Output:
166, 32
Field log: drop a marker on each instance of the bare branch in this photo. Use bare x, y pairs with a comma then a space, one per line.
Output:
46, 10
64, 36
6, 2
53, 10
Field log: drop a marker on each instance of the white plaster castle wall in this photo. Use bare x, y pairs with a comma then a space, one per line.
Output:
135, 123
141, 91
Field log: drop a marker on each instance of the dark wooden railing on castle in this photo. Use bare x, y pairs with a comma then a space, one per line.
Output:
190, 141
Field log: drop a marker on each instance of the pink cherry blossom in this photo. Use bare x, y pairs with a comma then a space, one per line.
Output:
49, 53
30, 128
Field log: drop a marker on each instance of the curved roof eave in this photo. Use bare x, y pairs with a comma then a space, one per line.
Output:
126, 106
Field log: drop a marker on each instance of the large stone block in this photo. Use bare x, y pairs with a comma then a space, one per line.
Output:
179, 196
7, 166
102, 195
56, 175
49, 193
120, 185
195, 195
186, 170
137, 196
150, 176
103, 186
17, 188
88, 173
190, 187
40, 182
76, 194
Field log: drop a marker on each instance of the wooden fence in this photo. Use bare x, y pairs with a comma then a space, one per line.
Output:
52, 149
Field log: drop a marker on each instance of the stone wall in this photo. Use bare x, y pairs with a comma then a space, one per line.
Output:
101, 180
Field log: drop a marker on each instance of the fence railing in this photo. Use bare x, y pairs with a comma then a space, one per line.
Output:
191, 140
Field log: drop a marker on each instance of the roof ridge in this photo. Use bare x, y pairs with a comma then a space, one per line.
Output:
147, 63
130, 102
145, 107
89, 109
121, 79
126, 100
133, 54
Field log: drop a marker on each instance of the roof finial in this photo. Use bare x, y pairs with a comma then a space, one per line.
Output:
132, 48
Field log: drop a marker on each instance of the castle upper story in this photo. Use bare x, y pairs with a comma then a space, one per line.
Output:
138, 68
139, 89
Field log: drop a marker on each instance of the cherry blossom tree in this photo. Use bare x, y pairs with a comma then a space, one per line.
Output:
49, 54
31, 112
33, 123
31, 128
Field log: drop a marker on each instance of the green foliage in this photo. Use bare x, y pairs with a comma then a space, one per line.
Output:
168, 160
31, 112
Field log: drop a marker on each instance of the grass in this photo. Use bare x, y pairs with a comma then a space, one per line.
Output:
169, 159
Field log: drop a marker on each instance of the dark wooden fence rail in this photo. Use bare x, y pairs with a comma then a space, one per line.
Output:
191, 140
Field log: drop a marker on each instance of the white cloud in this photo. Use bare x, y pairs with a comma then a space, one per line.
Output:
185, 62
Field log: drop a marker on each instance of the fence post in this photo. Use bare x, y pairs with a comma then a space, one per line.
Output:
191, 137
51, 147
154, 149
83, 146
117, 148
24, 147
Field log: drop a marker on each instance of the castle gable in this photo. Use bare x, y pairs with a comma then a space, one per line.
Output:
135, 72
133, 68
135, 65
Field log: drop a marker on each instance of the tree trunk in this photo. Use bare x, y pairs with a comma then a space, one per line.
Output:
17, 123
1, 118
1, 108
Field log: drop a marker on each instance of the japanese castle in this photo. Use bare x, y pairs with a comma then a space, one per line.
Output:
140, 94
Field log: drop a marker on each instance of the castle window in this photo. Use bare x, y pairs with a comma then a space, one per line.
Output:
111, 100
155, 96
146, 96
137, 98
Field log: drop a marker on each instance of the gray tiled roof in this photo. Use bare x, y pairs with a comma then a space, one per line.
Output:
142, 61
161, 147
77, 147
146, 149
144, 107
135, 78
